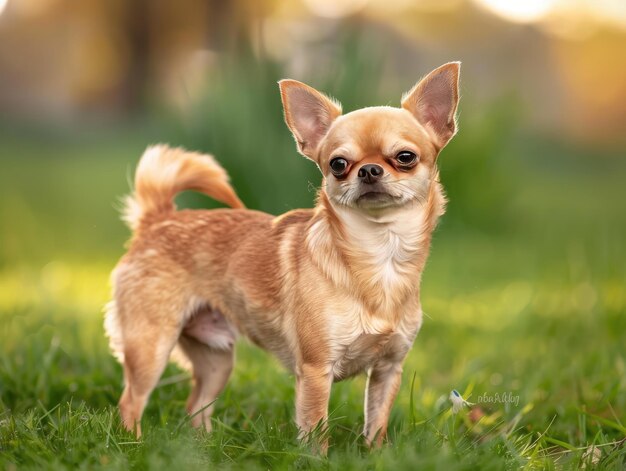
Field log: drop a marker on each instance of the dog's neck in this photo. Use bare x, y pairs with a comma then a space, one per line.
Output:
378, 256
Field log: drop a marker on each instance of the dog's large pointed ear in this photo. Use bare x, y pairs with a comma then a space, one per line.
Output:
433, 102
308, 114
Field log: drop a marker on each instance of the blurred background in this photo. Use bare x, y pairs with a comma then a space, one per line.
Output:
85, 86
536, 177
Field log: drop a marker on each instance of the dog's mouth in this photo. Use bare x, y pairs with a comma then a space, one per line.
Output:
374, 195
371, 197
376, 198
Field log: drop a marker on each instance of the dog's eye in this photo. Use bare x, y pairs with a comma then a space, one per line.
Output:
406, 158
338, 165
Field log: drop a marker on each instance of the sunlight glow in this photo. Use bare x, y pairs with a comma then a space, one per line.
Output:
521, 11
3, 4
335, 8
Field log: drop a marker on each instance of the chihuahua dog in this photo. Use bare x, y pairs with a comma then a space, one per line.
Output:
332, 291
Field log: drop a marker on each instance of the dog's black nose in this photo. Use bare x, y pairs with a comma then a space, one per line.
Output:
371, 173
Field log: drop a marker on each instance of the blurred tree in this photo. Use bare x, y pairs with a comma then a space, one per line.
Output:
137, 24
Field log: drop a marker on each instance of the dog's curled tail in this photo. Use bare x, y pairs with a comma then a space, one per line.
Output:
164, 172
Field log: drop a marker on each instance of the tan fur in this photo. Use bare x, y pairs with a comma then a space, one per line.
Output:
331, 291
163, 172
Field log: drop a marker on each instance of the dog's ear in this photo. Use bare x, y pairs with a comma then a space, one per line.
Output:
433, 102
308, 114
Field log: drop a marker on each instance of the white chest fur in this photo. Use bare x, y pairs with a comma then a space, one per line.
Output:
387, 244
359, 339
383, 251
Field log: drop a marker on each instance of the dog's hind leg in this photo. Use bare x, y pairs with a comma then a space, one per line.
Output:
208, 343
145, 358
148, 319
211, 370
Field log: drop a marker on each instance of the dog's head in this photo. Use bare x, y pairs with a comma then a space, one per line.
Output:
375, 158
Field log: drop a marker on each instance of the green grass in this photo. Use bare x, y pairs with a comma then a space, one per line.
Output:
528, 300
556, 344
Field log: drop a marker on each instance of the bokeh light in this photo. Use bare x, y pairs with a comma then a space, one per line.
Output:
525, 11
335, 8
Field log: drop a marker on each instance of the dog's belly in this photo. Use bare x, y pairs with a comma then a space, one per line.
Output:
368, 349
210, 327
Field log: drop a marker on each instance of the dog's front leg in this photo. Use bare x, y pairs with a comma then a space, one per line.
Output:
313, 384
383, 382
